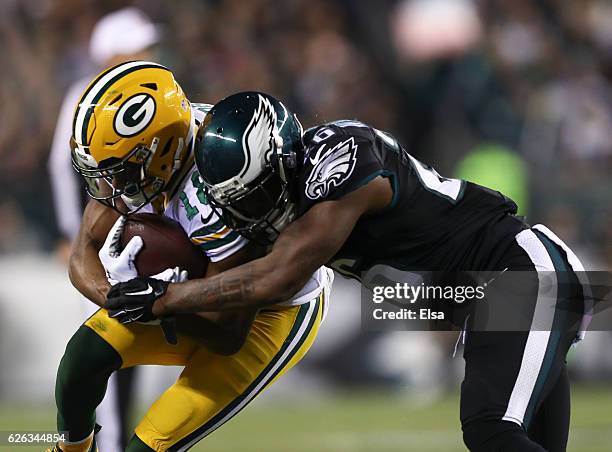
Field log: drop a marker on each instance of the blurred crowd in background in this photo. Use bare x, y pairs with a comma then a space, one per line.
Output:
523, 83
515, 94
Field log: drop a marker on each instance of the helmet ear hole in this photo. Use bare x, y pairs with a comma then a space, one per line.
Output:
167, 146
291, 160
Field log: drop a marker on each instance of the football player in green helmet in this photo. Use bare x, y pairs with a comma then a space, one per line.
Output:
252, 190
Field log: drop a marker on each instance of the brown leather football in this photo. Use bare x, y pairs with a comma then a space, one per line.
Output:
166, 245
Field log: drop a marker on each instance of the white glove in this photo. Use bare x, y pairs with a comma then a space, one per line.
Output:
119, 265
172, 275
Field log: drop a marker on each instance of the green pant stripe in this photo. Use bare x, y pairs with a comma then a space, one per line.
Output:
302, 327
311, 323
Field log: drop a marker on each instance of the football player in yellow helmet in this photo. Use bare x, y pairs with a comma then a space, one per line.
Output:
134, 132
131, 134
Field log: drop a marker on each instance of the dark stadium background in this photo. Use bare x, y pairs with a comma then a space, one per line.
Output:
519, 92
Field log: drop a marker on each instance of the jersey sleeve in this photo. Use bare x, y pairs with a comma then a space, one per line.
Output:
190, 207
336, 163
215, 239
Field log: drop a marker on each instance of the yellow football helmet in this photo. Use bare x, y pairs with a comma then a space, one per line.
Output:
132, 131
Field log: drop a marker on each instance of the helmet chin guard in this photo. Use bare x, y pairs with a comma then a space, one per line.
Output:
258, 211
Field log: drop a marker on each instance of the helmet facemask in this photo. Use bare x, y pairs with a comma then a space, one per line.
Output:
122, 184
258, 210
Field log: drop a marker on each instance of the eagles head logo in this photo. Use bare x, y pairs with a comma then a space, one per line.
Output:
331, 168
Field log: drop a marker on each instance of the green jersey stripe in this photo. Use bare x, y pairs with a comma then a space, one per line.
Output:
218, 243
208, 229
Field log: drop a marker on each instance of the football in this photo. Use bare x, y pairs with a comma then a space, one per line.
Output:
166, 245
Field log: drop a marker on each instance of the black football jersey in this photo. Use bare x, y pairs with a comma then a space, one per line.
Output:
432, 224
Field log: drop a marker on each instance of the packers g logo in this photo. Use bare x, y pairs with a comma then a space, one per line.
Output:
134, 115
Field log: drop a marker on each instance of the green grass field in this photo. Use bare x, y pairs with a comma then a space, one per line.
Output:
355, 423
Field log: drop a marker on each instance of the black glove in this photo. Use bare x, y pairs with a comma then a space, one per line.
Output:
132, 301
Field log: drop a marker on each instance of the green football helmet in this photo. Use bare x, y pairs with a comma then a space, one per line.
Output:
247, 152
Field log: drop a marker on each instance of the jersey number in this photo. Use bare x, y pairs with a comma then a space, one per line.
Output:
451, 189
192, 211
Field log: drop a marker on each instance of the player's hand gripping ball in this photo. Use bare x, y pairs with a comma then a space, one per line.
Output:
117, 260
165, 245
150, 245
164, 254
